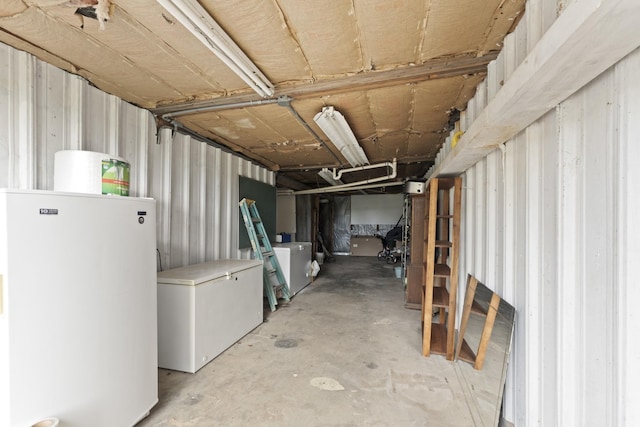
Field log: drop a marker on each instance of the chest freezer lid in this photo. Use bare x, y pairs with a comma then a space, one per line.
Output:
292, 245
191, 275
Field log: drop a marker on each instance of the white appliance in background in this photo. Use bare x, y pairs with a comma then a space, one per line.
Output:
205, 308
295, 260
78, 321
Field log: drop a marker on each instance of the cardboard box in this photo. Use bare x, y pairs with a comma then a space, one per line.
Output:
365, 245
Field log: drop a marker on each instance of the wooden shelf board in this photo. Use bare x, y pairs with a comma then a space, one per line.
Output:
466, 353
443, 244
440, 297
441, 270
444, 216
438, 338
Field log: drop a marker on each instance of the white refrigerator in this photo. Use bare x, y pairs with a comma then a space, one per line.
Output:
78, 309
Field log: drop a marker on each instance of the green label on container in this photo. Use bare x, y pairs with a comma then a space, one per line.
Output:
115, 177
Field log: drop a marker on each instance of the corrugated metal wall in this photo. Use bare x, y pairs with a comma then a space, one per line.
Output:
44, 110
550, 223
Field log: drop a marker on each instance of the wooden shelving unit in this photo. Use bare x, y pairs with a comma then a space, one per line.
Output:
415, 267
443, 200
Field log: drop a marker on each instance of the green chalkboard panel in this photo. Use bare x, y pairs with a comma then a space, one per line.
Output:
265, 197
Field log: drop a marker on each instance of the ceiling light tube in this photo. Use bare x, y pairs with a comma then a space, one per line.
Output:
328, 176
334, 125
196, 19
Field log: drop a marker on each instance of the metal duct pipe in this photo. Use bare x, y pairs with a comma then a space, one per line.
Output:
175, 125
283, 101
287, 103
231, 106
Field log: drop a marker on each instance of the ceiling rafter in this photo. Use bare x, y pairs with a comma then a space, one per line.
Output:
434, 69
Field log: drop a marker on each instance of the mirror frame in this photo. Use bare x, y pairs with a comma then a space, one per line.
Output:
484, 314
471, 306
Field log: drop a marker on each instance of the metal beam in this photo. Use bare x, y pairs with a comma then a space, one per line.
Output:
432, 70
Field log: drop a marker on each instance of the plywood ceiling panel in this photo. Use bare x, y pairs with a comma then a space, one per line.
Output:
387, 147
391, 31
327, 33
424, 146
454, 30
83, 52
268, 29
12, 7
467, 90
391, 108
395, 69
433, 99
505, 19
198, 62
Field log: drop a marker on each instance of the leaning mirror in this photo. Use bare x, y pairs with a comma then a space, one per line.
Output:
482, 351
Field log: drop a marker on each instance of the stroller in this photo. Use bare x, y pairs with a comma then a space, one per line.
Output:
389, 252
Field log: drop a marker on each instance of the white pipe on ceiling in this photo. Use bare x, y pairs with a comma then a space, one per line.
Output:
393, 165
354, 185
336, 188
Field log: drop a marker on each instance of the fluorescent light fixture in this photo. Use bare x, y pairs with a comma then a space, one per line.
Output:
327, 175
196, 19
334, 125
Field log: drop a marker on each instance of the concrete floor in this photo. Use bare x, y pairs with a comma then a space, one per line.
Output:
343, 352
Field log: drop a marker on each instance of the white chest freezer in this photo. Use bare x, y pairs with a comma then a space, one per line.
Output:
205, 308
295, 260
78, 332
